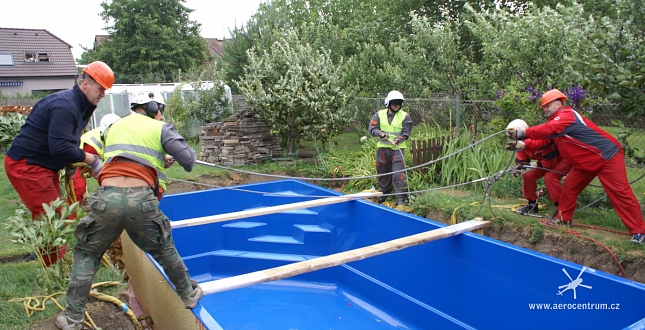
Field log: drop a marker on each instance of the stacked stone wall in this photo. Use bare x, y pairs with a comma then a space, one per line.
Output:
239, 139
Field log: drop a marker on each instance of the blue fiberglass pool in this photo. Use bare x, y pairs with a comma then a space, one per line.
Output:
466, 281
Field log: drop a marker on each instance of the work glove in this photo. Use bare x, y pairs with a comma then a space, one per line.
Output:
515, 133
96, 166
70, 171
517, 145
169, 161
519, 169
382, 136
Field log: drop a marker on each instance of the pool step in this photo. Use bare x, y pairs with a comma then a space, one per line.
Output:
254, 236
222, 263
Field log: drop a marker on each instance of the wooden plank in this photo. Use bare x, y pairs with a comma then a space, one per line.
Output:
270, 210
272, 274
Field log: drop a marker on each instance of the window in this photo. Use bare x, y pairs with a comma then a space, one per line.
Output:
6, 59
30, 57
36, 57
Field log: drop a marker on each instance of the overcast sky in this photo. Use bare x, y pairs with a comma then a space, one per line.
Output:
78, 21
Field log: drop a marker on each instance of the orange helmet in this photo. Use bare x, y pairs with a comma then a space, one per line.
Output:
101, 73
551, 96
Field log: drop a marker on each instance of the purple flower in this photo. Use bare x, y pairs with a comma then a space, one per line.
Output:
575, 96
534, 94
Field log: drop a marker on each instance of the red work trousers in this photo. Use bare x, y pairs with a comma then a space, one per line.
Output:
613, 177
551, 181
35, 184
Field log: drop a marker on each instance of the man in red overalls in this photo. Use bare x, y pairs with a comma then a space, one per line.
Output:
551, 166
592, 152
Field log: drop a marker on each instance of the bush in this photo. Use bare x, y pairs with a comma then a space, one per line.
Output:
9, 128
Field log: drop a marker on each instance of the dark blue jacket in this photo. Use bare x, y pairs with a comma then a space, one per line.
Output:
51, 135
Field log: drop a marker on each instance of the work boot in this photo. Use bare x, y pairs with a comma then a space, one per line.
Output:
562, 222
528, 208
30, 257
381, 199
638, 239
192, 299
64, 322
555, 214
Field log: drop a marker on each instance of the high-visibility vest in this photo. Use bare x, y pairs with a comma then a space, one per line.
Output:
138, 137
392, 130
93, 139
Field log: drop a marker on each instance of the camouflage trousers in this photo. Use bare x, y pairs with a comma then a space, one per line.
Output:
114, 209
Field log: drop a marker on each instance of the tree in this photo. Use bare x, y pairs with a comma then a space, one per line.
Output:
529, 49
615, 63
297, 90
343, 27
150, 37
203, 106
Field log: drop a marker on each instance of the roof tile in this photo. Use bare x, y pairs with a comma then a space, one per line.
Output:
18, 41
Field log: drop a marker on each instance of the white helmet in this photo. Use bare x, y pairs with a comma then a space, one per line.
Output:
107, 121
143, 98
393, 95
156, 96
518, 123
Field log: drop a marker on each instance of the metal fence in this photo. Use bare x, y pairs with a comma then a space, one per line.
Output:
444, 111
449, 111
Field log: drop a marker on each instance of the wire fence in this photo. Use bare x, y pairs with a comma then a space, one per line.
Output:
449, 111
444, 111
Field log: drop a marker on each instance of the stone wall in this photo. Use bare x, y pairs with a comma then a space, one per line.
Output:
239, 139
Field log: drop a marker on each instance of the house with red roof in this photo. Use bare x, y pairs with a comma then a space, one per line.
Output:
33, 61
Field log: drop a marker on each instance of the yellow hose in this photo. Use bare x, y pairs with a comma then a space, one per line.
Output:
105, 261
69, 188
37, 303
120, 304
69, 184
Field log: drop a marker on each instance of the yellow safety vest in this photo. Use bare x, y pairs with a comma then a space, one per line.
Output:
93, 139
392, 130
138, 137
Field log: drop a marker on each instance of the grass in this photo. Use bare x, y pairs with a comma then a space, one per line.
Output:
20, 279
24, 279
480, 162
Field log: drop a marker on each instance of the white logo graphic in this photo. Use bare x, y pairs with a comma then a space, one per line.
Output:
574, 283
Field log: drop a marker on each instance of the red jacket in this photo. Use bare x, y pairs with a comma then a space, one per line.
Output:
580, 142
544, 151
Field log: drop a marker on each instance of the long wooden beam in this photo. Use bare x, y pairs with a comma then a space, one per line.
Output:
269, 210
301, 267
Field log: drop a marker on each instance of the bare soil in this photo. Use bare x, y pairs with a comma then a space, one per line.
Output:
557, 243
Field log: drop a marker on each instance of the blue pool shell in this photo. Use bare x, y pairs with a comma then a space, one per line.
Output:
463, 282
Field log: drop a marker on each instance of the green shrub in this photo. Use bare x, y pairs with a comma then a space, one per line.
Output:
50, 232
9, 128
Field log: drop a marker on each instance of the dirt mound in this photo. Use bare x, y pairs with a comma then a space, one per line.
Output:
564, 245
105, 316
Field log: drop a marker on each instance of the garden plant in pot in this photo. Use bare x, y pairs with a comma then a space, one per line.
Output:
46, 236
